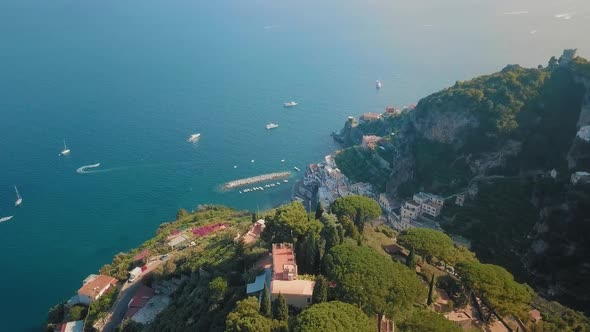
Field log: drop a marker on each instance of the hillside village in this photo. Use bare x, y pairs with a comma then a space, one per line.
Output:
367, 258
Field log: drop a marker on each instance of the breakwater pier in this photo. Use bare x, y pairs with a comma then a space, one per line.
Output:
256, 179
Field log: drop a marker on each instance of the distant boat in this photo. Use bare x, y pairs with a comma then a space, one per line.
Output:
193, 138
235, 166
378, 84
272, 126
282, 160
252, 161
3, 219
290, 104
65, 150
19, 199
296, 168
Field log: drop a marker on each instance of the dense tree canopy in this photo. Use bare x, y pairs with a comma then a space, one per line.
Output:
359, 209
428, 321
497, 287
376, 283
247, 318
289, 223
333, 317
428, 243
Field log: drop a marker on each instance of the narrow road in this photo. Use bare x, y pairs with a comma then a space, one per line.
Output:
125, 295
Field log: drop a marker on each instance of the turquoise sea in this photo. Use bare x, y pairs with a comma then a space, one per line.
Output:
126, 82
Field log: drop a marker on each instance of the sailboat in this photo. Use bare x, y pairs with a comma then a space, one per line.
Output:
65, 150
19, 199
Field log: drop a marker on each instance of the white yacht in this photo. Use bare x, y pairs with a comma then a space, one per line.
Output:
252, 161
296, 168
271, 126
3, 219
65, 150
378, 84
290, 104
193, 138
19, 199
282, 160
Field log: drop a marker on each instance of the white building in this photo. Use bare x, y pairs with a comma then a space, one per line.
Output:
410, 210
580, 176
431, 208
94, 286
422, 203
385, 203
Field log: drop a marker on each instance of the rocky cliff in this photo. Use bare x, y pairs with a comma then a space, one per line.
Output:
513, 126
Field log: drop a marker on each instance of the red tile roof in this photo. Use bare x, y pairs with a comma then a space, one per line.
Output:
141, 255
97, 286
141, 297
282, 258
206, 230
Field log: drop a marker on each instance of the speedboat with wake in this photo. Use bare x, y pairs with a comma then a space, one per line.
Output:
65, 150
3, 219
83, 169
272, 126
19, 199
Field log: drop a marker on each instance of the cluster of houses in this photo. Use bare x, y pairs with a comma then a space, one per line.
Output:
281, 277
331, 183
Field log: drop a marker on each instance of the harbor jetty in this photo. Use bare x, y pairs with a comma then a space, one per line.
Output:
256, 179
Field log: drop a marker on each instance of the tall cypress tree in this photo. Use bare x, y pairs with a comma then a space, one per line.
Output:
320, 290
254, 217
430, 299
281, 309
411, 259
319, 211
265, 308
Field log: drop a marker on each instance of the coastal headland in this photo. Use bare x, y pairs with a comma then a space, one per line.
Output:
256, 179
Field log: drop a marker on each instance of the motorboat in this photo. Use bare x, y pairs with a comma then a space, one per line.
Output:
193, 138
65, 150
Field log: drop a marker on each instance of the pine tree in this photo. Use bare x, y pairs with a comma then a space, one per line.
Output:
319, 211
265, 308
320, 290
430, 299
181, 214
254, 217
281, 309
411, 260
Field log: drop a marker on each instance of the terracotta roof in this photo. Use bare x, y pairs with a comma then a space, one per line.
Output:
370, 115
142, 295
97, 285
292, 287
141, 255
282, 257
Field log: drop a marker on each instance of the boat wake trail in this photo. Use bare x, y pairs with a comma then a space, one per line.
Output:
89, 169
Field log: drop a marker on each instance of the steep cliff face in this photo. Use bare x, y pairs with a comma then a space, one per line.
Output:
500, 135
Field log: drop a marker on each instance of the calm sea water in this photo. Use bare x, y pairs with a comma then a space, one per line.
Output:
126, 82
